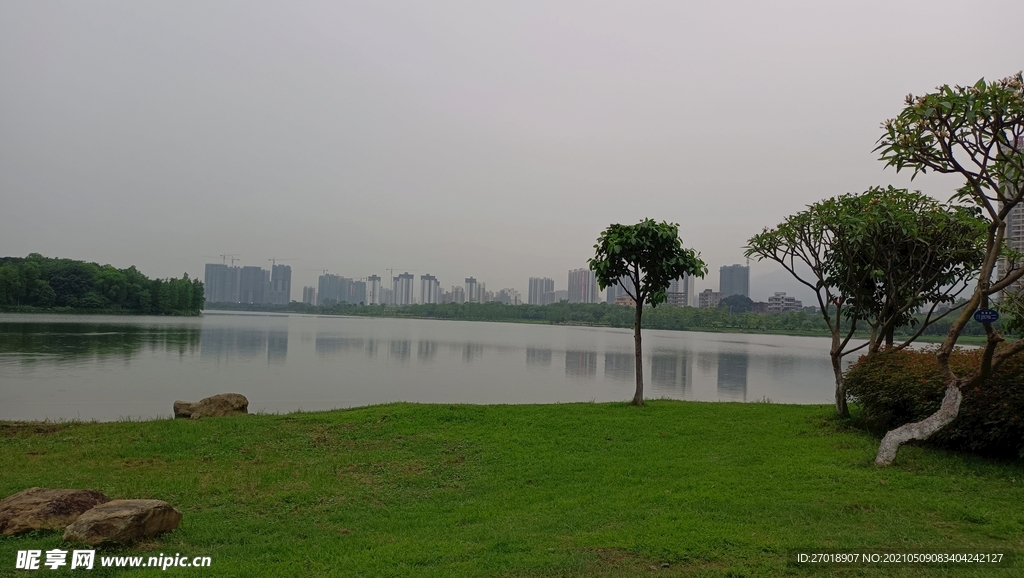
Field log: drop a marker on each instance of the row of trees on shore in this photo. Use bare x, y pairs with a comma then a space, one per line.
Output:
37, 283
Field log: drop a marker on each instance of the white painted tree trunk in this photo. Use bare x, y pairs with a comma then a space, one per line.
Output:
923, 429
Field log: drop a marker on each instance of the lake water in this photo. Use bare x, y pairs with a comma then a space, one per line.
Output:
107, 368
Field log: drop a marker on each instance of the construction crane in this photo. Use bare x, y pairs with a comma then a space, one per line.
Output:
224, 257
274, 260
393, 269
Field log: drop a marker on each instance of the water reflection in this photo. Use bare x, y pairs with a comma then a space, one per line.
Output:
277, 346
426, 350
671, 372
28, 343
400, 349
732, 375
619, 366
372, 345
540, 357
328, 344
471, 351
581, 363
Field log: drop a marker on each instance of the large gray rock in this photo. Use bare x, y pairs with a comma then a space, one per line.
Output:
123, 522
213, 406
45, 509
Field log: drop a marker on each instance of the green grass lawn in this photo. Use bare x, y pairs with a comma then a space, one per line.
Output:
672, 489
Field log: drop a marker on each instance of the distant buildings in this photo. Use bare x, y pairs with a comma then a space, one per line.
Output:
224, 284
734, 280
708, 299
280, 285
430, 289
582, 286
472, 290
402, 289
373, 290
680, 292
780, 303
458, 294
309, 295
538, 287
220, 283
508, 297
616, 290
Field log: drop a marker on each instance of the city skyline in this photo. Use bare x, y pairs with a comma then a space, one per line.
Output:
489, 140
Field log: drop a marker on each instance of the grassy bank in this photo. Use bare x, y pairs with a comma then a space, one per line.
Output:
673, 489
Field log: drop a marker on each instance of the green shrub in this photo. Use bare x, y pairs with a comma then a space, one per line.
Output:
898, 387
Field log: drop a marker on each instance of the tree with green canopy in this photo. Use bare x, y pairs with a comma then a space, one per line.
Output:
650, 255
875, 259
977, 133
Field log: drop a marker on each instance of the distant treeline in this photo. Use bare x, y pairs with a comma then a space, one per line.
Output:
37, 283
602, 314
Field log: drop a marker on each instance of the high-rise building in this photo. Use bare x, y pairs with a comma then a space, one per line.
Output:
508, 297
358, 294
373, 294
387, 296
473, 293
220, 283
680, 291
1014, 239
252, 284
538, 287
582, 286
280, 285
430, 289
329, 289
458, 294
734, 280
309, 295
402, 286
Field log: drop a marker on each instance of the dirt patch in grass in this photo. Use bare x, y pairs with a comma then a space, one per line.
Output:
14, 430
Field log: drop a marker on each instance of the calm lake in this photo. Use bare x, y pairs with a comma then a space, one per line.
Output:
108, 368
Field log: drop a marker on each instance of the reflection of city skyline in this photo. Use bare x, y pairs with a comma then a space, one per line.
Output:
732, 375
581, 363
225, 343
619, 366
672, 372
536, 356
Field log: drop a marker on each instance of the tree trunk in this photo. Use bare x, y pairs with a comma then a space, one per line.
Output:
923, 429
638, 397
842, 410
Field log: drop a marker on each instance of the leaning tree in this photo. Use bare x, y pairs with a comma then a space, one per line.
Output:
976, 132
874, 260
650, 256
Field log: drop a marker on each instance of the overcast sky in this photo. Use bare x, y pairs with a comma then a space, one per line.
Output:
485, 139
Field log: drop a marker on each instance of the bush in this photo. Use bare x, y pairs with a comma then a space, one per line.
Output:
898, 387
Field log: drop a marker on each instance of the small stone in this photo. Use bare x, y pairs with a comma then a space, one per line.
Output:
45, 509
123, 522
214, 406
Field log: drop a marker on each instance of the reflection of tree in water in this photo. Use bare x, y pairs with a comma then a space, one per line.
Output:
538, 356
732, 375
671, 372
619, 366
581, 363
400, 349
426, 350
34, 342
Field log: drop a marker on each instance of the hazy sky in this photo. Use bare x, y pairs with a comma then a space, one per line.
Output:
486, 139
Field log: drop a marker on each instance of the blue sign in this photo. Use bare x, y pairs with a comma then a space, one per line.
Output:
986, 315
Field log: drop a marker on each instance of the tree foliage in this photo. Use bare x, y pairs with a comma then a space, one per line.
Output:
976, 132
37, 282
874, 259
651, 256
